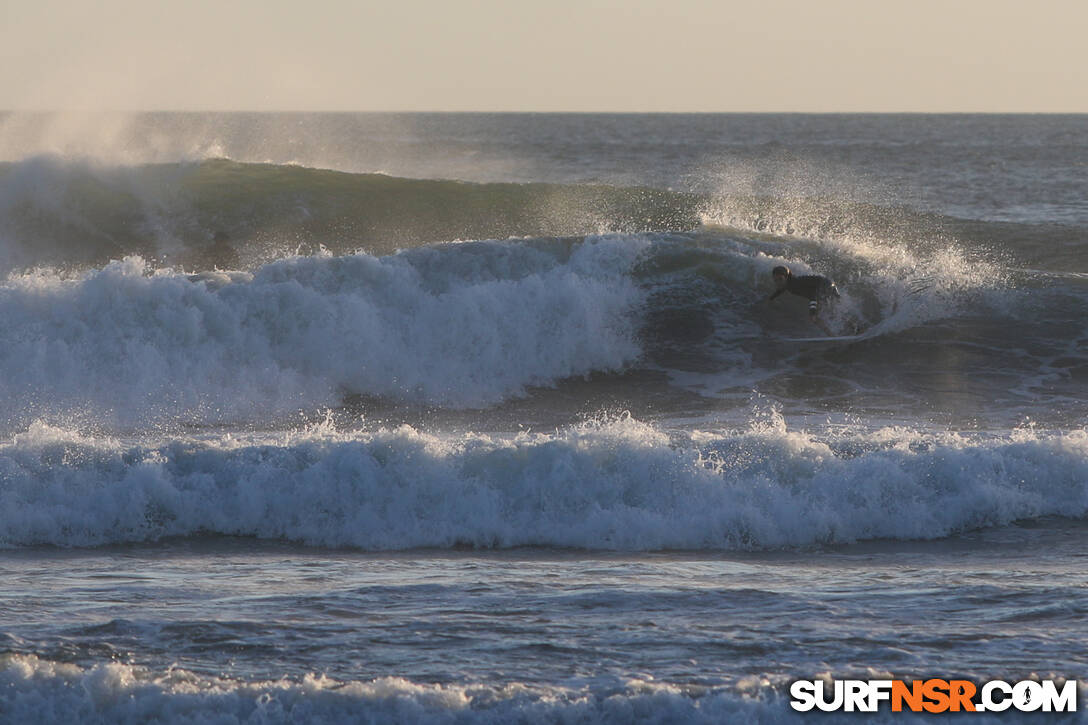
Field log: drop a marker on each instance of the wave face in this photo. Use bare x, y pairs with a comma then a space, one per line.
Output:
75, 213
949, 328
617, 485
64, 212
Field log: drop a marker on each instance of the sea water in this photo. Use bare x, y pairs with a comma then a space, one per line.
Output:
488, 418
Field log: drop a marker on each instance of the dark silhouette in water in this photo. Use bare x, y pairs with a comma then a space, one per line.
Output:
222, 255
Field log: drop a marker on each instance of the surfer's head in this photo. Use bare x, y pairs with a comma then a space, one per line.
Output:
781, 276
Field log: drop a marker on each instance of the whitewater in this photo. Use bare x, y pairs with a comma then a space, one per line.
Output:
488, 418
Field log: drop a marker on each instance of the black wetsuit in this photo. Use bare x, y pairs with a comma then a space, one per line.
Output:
813, 287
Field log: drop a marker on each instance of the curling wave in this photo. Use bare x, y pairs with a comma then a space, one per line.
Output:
471, 325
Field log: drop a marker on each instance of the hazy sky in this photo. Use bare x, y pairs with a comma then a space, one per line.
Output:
546, 55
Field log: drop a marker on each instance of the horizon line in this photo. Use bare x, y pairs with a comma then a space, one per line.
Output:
539, 112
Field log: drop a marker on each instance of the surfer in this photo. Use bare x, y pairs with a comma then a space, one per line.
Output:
221, 255
816, 288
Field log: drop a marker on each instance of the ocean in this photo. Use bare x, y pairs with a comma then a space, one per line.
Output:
488, 418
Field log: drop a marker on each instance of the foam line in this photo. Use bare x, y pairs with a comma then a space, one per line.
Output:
620, 484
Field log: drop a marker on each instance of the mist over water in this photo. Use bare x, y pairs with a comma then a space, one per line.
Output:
356, 364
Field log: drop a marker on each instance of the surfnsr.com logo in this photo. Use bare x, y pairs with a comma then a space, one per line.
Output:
933, 696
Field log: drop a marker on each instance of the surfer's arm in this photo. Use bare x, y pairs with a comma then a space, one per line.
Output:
776, 293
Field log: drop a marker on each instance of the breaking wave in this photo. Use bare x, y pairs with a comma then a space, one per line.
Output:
463, 325
616, 484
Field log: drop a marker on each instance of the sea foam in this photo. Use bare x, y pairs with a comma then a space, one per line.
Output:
39, 690
459, 325
620, 485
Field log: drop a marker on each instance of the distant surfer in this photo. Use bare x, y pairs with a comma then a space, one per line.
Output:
817, 289
221, 255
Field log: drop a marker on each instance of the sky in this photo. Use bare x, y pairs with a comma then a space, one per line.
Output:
545, 55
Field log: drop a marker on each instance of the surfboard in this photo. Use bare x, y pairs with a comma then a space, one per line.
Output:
840, 338
864, 334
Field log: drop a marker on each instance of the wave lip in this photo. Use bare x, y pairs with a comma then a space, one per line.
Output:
620, 485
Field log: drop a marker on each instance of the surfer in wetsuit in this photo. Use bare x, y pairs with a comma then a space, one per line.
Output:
817, 289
